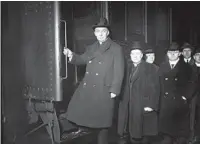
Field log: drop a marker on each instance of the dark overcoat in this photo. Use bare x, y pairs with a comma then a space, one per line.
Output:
91, 104
191, 62
141, 90
195, 99
174, 110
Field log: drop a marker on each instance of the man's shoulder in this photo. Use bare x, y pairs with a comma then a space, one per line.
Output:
115, 45
150, 66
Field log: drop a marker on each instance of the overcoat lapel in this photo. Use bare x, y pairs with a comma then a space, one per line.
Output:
100, 49
133, 77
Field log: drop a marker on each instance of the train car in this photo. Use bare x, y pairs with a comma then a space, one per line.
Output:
36, 76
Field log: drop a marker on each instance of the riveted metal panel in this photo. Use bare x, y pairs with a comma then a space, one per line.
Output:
41, 50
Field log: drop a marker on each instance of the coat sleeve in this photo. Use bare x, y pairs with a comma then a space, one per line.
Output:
118, 70
80, 59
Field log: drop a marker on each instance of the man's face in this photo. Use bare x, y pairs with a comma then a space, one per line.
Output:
197, 58
150, 57
136, 56
187, 53
101, 33
173, 55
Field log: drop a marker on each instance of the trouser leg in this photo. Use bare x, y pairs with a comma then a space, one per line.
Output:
102, 137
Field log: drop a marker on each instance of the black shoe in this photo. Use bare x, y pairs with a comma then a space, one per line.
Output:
74, 134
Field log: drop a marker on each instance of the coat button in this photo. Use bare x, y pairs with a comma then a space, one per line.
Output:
175, 79
94, 85
97, 74
166, 93
99, 62
87, 72
174, 97
90, 61
84, 83
166, 78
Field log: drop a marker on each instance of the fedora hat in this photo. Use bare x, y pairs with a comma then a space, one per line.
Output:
174, 46
187, 45
149, 49
137, 45
197, 50
102, 23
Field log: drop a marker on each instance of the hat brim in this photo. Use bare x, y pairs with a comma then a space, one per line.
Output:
173, 50
131, 49
95, 26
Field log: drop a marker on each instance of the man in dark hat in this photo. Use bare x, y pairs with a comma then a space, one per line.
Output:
174, 109
92, 104
195, 101
187, 50
139, 102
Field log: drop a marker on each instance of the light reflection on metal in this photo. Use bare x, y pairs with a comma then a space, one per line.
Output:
57, 84
104, 10
126, 21
74, 49
145, 22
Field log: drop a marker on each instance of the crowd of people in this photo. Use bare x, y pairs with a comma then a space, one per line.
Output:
154, 99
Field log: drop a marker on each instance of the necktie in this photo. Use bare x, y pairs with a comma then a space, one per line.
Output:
172, 66
187, 61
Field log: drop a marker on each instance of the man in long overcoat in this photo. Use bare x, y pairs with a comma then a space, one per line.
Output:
195, 100
174, 109
92, 104
140, 97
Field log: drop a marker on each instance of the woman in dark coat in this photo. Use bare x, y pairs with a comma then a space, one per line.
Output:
92, 104
140, 97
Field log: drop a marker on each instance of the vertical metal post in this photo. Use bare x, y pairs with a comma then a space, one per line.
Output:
145, 22
170, 25
104, 10
57, 50
0, 62
74, 49
126, 21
